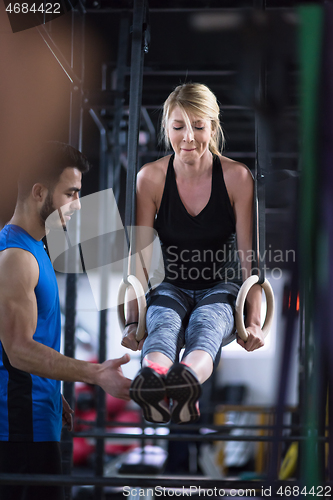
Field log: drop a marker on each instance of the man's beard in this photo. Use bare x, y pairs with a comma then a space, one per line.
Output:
48, 209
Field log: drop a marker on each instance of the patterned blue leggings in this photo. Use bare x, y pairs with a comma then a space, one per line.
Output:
197, 319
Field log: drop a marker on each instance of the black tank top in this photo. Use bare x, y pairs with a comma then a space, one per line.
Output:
198, 251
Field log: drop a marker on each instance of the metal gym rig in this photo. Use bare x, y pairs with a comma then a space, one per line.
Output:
308, 294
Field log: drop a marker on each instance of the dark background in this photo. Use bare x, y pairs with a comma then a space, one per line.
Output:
216, 42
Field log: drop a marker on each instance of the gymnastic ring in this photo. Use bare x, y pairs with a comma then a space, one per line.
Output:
142, 305
240, 301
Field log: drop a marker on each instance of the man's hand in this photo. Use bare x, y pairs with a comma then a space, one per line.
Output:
67, 414
255, 338
112, 380
18, 321
129, 339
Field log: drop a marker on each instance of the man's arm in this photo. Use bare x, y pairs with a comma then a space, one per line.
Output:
19, 274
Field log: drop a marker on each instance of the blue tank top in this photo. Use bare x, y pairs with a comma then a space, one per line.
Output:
31, 406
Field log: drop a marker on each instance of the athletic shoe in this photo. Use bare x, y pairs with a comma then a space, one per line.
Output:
148, 391
161, 370
183, 387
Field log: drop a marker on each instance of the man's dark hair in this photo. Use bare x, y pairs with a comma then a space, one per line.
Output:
47, 166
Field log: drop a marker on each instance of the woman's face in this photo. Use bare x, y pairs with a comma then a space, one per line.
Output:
188, 143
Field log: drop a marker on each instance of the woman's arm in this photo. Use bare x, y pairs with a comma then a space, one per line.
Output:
241, 186
148, 182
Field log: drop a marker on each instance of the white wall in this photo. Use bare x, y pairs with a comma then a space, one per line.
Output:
259, 370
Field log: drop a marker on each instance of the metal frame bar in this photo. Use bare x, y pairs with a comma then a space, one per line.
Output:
137, 57
193, 427
103, 142
261, 160
156, 10
148, 481
124, 30
107, 179
100, 105
100, 394
175, 72
58, 55
199, 438
75, 140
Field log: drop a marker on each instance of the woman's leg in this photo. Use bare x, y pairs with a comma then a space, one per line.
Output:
201, 363
165, 335
157, 359
210, 326
167, 309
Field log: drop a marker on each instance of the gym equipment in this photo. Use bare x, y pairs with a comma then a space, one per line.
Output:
140, 296
262, 140
240, 301
140, 39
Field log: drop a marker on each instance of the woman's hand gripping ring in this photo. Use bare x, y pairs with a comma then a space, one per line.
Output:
142, 306
240, 301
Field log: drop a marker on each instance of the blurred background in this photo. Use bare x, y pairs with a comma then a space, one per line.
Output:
223, 44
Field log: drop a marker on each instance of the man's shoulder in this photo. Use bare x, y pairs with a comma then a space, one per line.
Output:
17, 264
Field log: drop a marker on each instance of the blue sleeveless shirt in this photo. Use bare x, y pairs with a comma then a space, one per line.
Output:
31, 406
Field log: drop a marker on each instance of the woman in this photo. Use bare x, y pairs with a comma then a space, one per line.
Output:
200, 203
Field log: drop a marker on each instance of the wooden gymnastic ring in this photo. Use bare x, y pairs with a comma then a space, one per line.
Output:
240, 301
142, 305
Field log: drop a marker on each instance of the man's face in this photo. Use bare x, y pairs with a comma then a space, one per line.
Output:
61, 202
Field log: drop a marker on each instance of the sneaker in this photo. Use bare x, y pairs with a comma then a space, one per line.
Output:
148, 391
183, 387
161, 370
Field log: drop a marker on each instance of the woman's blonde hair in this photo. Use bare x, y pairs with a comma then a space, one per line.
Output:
198, 100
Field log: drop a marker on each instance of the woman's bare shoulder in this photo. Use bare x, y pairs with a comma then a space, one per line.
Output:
154, 171
238, 179
235, 169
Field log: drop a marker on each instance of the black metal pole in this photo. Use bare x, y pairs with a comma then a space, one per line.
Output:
118, 85
107, 180
75, 140
119, 105
100, 394
219, 486
261, 158
137, 57
261, 163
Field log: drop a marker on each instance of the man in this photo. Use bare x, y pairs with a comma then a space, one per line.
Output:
31, 367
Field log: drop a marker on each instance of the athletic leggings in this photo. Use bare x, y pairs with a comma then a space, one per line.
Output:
197, 319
